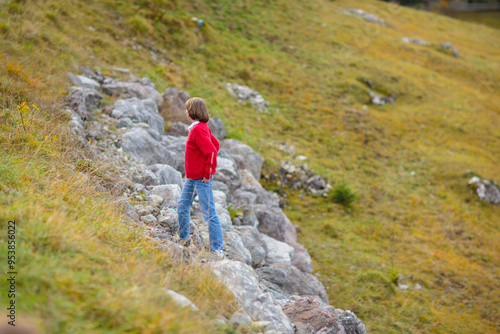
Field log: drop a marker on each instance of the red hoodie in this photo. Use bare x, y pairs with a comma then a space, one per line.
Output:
201, 152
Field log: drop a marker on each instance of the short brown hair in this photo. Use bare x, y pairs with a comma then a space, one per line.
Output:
197, 109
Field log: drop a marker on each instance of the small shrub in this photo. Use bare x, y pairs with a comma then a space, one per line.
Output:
342, 194
140, 24
330, 231
394, 277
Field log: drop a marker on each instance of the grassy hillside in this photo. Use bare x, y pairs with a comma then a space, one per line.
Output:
307, 59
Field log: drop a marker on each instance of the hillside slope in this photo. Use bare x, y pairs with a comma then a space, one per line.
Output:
407, 160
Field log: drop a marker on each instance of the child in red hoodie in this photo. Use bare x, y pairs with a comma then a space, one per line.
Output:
200, 162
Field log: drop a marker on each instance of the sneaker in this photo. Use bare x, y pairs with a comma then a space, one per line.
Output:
219, 254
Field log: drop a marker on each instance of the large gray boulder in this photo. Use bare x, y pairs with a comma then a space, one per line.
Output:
133, 89
295, 282
227, 172
217, 127
178, 129
308, 316
245, 201
177, 147
272, 221
351, 323
277, 251
253, 241
147, 178
170, 193
169, 221
173, 108
235, 248
301, 258
242, 281
263, 196
144, 147
83, 101
167, 174
139, 111
244, 156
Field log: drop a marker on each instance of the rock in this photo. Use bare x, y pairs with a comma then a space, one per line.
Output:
416, 41
168, 219
448, 46
301, 258
171, 193
240, 319
149, 219
244, 156
176, 251
147, 178
227, 173
142, 145
308, 312
381, 99
247, 178
132, 89
93, 74
367, 16
173, 108
351, 323
178, 129
253, 241
126, 208
177, 147
217, 127
289, 280
245, 93
272, 221
242, 281
166, 174
235, 248
142, 210
273, 278
486, 190
87, 82
220, 186
83, 101
147, 82
277, 251
124, 122
181, 300
140, 112
155, 199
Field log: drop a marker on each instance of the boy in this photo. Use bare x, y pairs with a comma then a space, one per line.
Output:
200, 163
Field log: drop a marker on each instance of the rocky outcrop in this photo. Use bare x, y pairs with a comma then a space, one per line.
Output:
486, 190
139, 111
144, 146
265, 267
259, 304
132, 89
367, 16
308, 315
245, 93
244, 156
83, 101
292, 281
173, 108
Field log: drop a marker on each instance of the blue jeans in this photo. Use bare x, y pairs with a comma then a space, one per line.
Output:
193, 187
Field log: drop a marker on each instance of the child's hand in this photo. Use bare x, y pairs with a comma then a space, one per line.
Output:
205, 180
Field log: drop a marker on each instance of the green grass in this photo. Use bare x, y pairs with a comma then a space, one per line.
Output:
307, 59
491, 19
